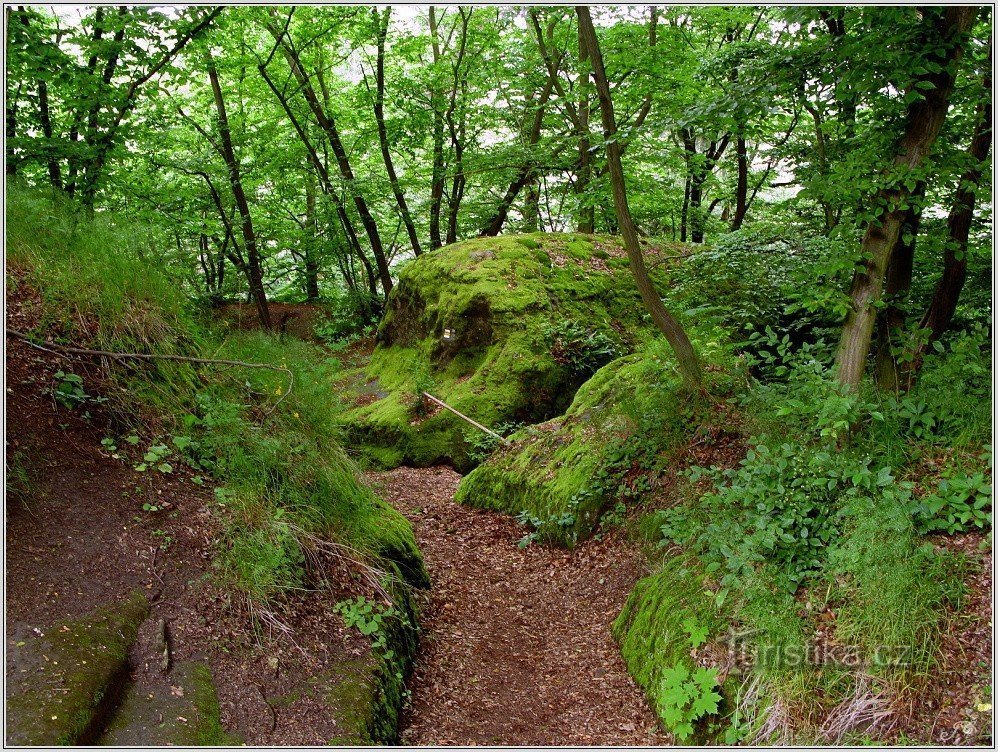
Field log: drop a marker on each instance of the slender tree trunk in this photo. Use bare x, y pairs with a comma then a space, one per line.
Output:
456, 130
55, 172
328, 126
437, 178
311, 238
322, 171
897, 283
741, 189
11, 131
686, 357
527, 172
942, 307
924, 120
254, 273
379, 116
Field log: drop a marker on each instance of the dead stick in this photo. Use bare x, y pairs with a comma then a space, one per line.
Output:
57, 349
476, 424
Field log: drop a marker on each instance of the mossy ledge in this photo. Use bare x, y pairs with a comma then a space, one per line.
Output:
364, 695
653, 636
162, 716
471, 323
64, 682
562, 474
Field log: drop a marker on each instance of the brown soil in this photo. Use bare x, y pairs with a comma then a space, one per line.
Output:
516, 646
953, 706
77, 538
296, 319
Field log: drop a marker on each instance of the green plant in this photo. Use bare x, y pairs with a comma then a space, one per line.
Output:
960, 502
481, 445
69, 391
580, 348
155, 456
370, 619
685, 698
165, 539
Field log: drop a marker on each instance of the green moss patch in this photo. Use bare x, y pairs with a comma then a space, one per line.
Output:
475, 324
64, 681
561, 475
184, 712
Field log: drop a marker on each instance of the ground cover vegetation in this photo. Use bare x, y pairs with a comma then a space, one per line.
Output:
719, 276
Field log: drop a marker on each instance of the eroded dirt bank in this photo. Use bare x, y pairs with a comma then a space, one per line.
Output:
516, 645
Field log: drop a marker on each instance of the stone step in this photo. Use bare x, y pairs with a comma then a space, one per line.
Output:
181, 709
64, 682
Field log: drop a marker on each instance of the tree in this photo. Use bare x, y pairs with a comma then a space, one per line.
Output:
254, 273
686, 357
944, 30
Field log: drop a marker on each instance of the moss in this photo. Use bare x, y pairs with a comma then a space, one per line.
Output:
86, 660
499, 297
556, 473
352, 696
365, 695
651, 630
159, 716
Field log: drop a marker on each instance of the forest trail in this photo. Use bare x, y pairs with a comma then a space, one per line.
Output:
516, 644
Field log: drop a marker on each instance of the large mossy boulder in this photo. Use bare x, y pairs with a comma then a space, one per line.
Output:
503, 329
559, 476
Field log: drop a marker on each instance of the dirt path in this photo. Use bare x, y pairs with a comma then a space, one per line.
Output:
516, 644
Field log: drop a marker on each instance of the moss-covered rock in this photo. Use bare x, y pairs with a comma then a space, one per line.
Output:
561, 475
63, 682
364, 695
480, 324
182, 712
656, 630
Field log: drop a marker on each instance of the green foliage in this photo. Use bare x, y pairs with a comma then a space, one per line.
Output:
685, 698
960, 502
370, 619
581, 349
285, 479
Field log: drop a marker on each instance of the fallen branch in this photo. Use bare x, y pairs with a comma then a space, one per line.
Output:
476, 424
57, 349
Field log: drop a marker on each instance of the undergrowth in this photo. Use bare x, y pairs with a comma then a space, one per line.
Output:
284, 482
814, 541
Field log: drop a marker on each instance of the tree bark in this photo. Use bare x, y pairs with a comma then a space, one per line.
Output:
379, 116
942, 307
924, 120
254, 273
897, 283
311, 238
686, 357
103, 143
526, 174
437, 178
741, 189
457, 131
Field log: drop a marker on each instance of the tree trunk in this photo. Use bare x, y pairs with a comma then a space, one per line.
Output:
254, 273
924, 120
527, 172
379, 116
457, 131
942, 307
437, 179
311, 238
741, 189
328, 126
686, 357
897, 283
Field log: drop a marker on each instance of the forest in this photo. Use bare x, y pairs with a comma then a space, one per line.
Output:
498, 375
